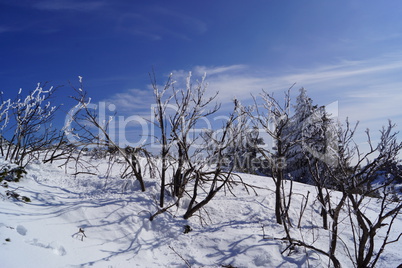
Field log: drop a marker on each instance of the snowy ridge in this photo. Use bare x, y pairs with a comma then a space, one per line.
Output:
233, 231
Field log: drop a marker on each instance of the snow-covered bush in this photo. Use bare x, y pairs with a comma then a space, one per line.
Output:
89, 135
12, 174
26, 128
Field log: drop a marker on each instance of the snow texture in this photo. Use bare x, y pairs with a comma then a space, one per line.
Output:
88, 221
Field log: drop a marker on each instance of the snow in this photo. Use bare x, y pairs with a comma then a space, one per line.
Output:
114, 215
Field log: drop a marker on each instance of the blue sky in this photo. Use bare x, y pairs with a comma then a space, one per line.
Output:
345, 51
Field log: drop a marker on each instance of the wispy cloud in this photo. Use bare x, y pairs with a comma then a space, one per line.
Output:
368, 91
200, 70
69, 5
191, 23
156, 23
132, 101
140, 25
7, 29
346, 70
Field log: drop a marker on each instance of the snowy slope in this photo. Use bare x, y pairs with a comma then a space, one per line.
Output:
238, 231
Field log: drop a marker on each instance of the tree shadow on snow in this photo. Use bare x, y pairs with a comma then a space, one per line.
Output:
115, 224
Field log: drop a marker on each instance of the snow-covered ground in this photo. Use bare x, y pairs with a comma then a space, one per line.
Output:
234, 231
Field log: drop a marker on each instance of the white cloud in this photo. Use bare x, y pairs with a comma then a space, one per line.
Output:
133, 101
369, 91
200, 70
345, 70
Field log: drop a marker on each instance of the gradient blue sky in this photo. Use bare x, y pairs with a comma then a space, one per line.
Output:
345, 51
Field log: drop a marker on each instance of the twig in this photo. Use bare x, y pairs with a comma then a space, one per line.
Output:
81, 231
302, 209
181, 257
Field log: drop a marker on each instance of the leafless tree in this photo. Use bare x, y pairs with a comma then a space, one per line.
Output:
274, 118
217, 178
94, 134
27, 124
162, 100
191, 106
360, 190
183, 146
353, 176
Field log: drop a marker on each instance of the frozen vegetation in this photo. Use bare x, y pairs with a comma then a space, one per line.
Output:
234, 230
196, 197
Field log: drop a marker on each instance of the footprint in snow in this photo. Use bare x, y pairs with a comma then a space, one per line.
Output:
54, 246
21, 230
